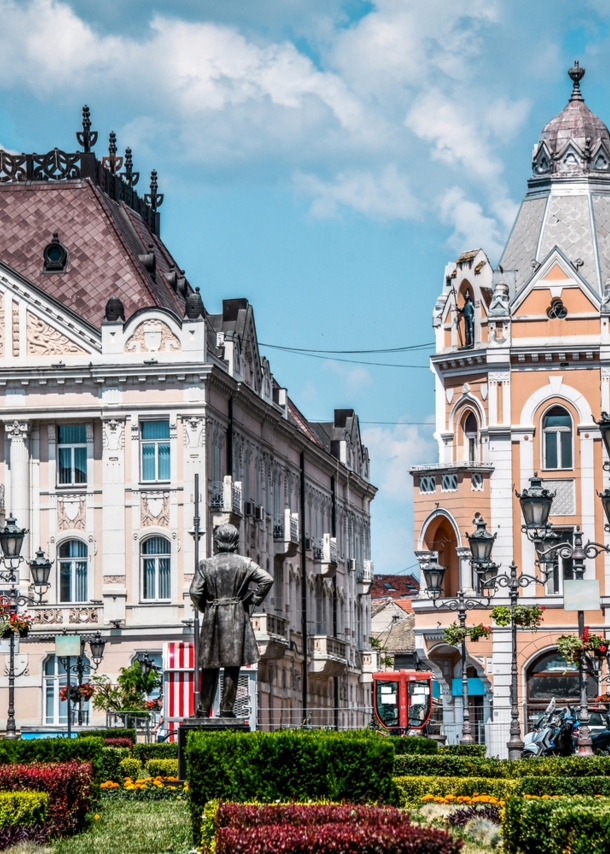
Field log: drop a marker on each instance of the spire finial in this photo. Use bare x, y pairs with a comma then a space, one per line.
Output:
87, 137
129, 175
154, 199
576, 73
112, 162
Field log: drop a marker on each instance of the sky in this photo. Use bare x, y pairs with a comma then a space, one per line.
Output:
324, 159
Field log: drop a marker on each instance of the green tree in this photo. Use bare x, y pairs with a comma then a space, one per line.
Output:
129, 693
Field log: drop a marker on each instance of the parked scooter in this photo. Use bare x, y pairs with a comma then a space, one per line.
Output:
552, 733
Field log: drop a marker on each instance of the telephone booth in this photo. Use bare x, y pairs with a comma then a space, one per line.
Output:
403, 700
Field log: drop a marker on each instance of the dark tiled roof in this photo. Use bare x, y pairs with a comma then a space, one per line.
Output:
394, 586
295, 416
103, 239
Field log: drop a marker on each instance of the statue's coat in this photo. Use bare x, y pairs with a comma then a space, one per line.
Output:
221, 591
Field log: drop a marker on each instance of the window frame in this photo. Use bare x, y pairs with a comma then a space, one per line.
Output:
73, 581
471, 440
72, 484
155, 443
557, 431
156, 556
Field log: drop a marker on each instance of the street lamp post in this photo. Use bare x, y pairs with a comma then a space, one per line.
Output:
96, 645
481, 544
11, 541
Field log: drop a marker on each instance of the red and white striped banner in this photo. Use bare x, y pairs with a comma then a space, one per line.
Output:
179, 700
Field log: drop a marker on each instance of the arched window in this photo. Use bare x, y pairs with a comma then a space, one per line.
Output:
73, 582
156, 569
549, 676
471, 429
56, 709
557, 438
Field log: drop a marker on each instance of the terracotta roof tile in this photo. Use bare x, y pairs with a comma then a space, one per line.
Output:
103, 239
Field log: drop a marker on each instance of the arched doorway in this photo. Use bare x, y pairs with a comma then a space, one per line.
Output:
440, 537
549, 676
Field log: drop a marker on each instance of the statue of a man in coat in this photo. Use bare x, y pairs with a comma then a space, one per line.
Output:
223, 589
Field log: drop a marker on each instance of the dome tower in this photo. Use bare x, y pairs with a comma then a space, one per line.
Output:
567, 204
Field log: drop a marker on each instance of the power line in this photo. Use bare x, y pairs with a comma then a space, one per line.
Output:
353, 361
394, 423
347, 352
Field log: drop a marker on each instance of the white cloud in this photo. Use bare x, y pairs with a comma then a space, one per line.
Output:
393, 452
356, 378
385, 195
471, 228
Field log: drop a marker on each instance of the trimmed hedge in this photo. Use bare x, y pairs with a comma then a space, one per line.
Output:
288, 765
462, 749
54, 750
564, 786
162, 767
119, 732
464, 766
111, 763
413, 789
414, 744
580, 829
23, 808
527, 825
161, 750
130, 767
70, 787
306, 828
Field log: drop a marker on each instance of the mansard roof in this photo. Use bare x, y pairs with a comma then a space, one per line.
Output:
111, 235
567, 204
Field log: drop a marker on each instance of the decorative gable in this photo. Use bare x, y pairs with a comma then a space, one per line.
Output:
42, 339
152, 336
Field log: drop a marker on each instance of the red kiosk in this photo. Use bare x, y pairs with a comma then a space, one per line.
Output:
402, 699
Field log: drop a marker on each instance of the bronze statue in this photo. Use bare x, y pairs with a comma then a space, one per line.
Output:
221, 591
468, 312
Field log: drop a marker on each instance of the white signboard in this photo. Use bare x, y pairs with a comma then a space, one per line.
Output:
581, 595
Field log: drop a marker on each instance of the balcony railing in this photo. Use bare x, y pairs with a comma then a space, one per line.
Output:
324, 551
270, 625
365, 571
226, 496
322, 646
286, 533
459, 464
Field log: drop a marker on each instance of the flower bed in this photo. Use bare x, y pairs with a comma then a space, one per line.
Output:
145, 789
413, 790
318, 828
69, 785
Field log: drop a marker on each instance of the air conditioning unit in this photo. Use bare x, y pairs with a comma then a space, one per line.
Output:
259, 512
308, 544
249, 508
352, 565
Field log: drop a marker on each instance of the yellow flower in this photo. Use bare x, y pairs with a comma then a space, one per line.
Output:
96, 817
186, 786
425, 797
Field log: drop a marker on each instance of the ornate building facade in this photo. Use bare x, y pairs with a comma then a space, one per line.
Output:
522, 397
117, 387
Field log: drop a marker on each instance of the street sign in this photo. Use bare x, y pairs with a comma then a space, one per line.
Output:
67, 645
581, 595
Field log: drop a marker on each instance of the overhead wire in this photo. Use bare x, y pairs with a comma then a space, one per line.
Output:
347, 352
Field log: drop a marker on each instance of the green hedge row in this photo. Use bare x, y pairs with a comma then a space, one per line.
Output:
161, 750
23, 808
580, 825
111, 763
288, 765
109, 733
54, 750
462, 749
465, 766
412, 789
414, 744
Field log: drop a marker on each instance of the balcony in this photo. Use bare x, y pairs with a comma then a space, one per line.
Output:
364, 571
226, 501
325, 555
286, 534
369, 664
271, 633
327, 655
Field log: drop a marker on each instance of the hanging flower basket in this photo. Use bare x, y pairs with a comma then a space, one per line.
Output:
479, 631
455, 634
570, 647
501, 615
525, 617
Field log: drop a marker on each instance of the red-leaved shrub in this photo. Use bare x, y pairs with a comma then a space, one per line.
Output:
70, 787
254, 815
347, 838
13, 834
118, 742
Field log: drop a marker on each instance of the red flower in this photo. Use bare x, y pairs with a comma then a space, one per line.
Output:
543, 607
602, 647
585, 634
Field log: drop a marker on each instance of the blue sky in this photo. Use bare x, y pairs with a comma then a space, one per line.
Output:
324, 159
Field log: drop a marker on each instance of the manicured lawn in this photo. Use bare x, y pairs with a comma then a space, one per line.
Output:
128, 827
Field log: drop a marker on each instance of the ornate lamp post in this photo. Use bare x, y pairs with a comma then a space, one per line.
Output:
481, 544
11, 541
97, 645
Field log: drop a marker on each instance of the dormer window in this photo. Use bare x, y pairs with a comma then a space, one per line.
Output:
55, 256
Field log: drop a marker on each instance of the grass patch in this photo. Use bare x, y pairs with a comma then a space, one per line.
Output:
131, 827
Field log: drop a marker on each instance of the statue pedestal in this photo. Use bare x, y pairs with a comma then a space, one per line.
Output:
204, 725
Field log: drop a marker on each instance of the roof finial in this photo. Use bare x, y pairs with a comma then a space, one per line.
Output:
112, 162
154, 199
87, 137
576, 73
129, 175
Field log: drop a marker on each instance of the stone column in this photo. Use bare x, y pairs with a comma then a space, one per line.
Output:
19, 466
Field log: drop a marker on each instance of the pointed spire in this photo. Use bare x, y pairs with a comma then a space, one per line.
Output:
112, 162
576, 73
87, 137
154, 199
129, 175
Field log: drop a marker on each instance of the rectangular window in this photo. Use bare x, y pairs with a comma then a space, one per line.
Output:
155, 450
72, 454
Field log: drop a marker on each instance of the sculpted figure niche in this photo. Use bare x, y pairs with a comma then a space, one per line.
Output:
224, 589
